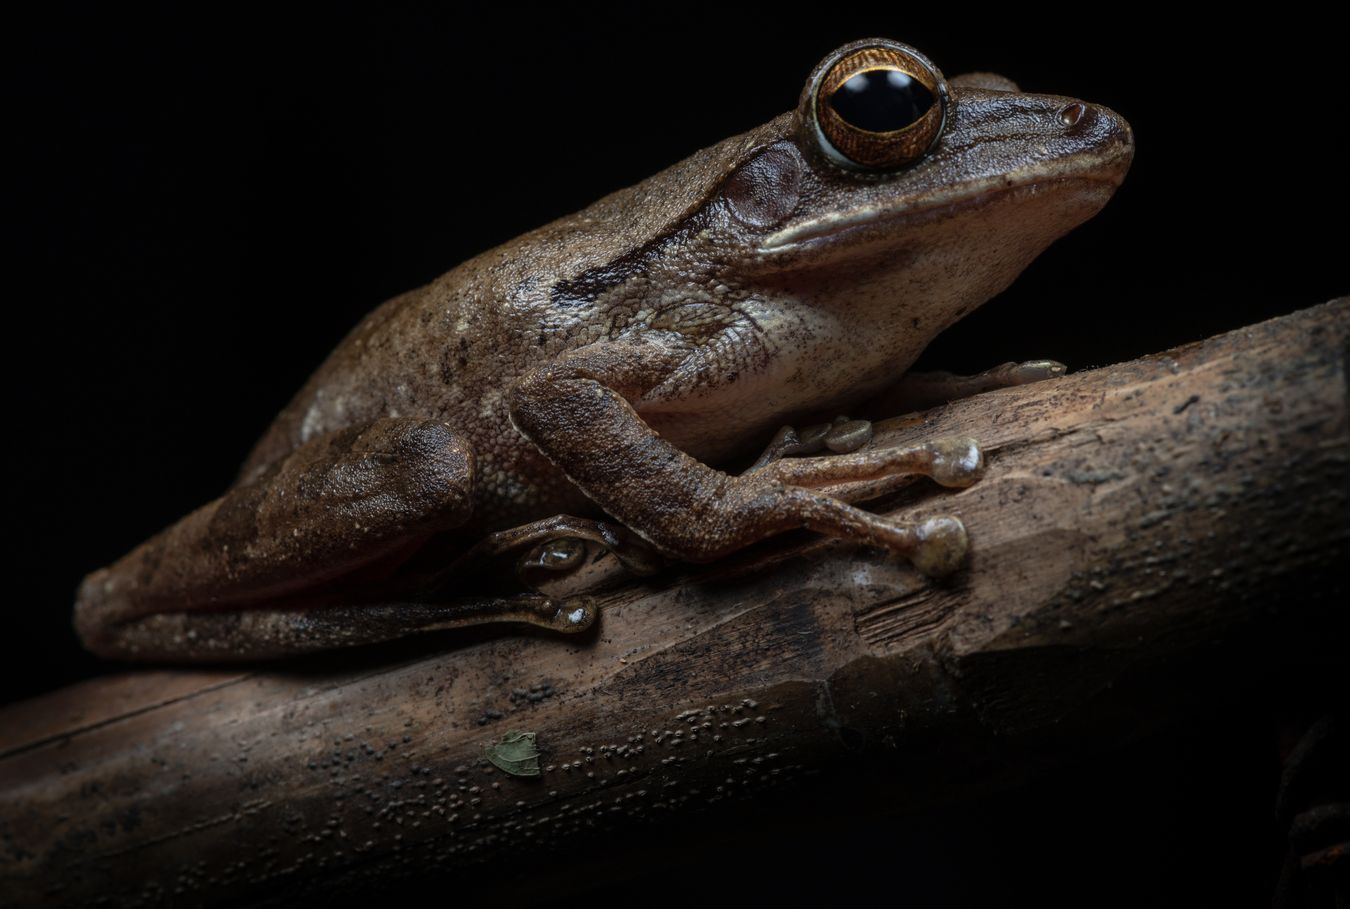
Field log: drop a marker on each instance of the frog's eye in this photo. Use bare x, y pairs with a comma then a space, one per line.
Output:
877, 105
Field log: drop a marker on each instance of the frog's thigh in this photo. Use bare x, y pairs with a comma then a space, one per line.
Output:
340, 502
922, 390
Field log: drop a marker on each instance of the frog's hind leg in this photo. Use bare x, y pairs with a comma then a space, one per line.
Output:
345, 505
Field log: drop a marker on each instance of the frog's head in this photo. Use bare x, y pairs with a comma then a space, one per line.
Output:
907, 198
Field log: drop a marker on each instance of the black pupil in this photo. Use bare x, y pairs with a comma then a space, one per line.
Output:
881, 100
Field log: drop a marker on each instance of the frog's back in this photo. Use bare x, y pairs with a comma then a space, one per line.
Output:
439, 352
450, 350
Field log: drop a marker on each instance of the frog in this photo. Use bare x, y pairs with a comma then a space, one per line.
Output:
603, 383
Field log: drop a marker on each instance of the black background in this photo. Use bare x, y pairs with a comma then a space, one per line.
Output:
199, 205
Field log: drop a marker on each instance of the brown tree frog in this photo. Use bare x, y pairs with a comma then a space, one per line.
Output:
607, 378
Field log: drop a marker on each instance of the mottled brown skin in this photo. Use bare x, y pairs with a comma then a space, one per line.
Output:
602, 363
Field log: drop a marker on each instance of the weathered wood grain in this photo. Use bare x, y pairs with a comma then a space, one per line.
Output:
1132, 517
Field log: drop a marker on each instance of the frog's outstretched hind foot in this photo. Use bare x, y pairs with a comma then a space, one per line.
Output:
569, 615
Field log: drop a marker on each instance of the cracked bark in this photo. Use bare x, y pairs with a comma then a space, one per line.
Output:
1146, 533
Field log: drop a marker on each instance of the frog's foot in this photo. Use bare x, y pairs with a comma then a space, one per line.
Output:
566, 547
840, 436
568, 615
936, 546
922, 390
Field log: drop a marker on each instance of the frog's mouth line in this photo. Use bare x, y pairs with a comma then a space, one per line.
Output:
829, 228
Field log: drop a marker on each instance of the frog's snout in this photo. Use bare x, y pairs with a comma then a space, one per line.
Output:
1106, 133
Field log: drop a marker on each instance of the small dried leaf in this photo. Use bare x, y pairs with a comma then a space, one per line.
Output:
516, 753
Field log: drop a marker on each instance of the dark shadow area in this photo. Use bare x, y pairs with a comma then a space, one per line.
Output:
200, 205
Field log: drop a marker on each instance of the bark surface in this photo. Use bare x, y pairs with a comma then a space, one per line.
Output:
1135, 521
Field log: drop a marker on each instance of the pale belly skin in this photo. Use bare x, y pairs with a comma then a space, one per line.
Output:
616, 363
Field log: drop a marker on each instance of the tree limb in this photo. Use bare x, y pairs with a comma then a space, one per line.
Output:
1132, 518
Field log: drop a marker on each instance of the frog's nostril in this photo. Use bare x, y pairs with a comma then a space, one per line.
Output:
1072, 114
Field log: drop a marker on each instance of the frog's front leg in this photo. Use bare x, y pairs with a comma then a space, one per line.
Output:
578, 412
300, 556
921, 390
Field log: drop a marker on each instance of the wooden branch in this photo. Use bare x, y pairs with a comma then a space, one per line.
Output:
1132, 518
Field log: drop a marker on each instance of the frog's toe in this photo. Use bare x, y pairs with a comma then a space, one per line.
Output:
1029, 371
557, 555
956, 462
846, 435
941, 546
574, 615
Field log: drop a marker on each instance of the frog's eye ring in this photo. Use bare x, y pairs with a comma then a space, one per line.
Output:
876, 105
